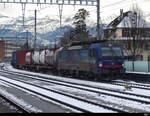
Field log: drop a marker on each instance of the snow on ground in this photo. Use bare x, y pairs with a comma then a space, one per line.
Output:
17, 100
106, 98
133, 90
67, 79
98, 84
101, 97
3, 84
68, 100
138, 72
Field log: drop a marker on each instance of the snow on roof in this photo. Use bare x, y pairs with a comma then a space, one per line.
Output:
126, 22
130, 38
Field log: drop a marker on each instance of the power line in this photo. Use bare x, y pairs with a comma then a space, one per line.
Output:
116, 3
35, 31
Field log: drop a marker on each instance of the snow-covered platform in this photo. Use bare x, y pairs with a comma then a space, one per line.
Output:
138, 76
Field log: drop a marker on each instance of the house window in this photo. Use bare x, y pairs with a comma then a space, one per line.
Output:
125, 33
147, 47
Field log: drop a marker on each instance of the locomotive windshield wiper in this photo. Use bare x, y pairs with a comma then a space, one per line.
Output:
113, 52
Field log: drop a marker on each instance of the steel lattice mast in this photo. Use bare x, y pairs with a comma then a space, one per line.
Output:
64, 2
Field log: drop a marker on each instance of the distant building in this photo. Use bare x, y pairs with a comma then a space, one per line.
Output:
6, 49
2, 51
121, 33
124, 35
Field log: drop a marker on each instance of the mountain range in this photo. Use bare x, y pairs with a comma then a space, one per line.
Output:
48, 29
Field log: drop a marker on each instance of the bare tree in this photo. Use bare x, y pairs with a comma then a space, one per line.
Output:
134, 31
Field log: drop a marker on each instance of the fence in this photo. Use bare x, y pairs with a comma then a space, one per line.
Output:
138, 66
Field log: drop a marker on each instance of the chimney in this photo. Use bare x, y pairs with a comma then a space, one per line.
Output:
121, 11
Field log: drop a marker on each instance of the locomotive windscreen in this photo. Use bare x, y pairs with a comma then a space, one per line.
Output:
117, 51
111, 51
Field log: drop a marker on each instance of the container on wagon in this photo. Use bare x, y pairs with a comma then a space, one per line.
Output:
36, 57
14, 60
49, 57
22, 56
42, 57
28, 58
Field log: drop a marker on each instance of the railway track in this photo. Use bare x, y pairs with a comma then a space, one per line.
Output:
98, 90
13, 103
119, 83
61, 94
133, 85
57, 81
70, 84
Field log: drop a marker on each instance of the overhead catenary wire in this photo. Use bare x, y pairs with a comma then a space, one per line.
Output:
106, 6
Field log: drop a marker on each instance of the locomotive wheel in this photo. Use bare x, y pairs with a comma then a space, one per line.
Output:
90, 76
77, 74
86, 76
81, 75
55, 72
95, 77
60, 73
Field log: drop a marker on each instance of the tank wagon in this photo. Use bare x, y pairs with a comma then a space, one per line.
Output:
99, 60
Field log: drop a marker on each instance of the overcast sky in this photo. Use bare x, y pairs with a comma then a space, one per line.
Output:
109, 9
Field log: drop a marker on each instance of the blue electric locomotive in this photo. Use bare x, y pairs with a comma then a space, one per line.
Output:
97, 60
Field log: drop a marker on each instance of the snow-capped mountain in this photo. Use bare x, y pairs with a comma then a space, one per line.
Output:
48, 28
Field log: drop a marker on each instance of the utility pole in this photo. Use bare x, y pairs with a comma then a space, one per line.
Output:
23, 12
27, 39
60, 13
35, 31
98, 20
134, 38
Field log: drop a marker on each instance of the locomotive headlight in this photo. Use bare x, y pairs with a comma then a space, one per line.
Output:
100, 64
123, 64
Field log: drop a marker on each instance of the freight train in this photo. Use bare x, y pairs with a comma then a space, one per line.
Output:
97, 60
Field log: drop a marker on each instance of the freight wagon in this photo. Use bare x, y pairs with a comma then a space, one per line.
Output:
43, 60
18, 58
91, 61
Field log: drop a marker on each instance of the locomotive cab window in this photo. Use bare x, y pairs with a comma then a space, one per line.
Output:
92, 53
111, 51
106, 51
117, 51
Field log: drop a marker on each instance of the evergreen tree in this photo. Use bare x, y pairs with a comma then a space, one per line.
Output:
80, 20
